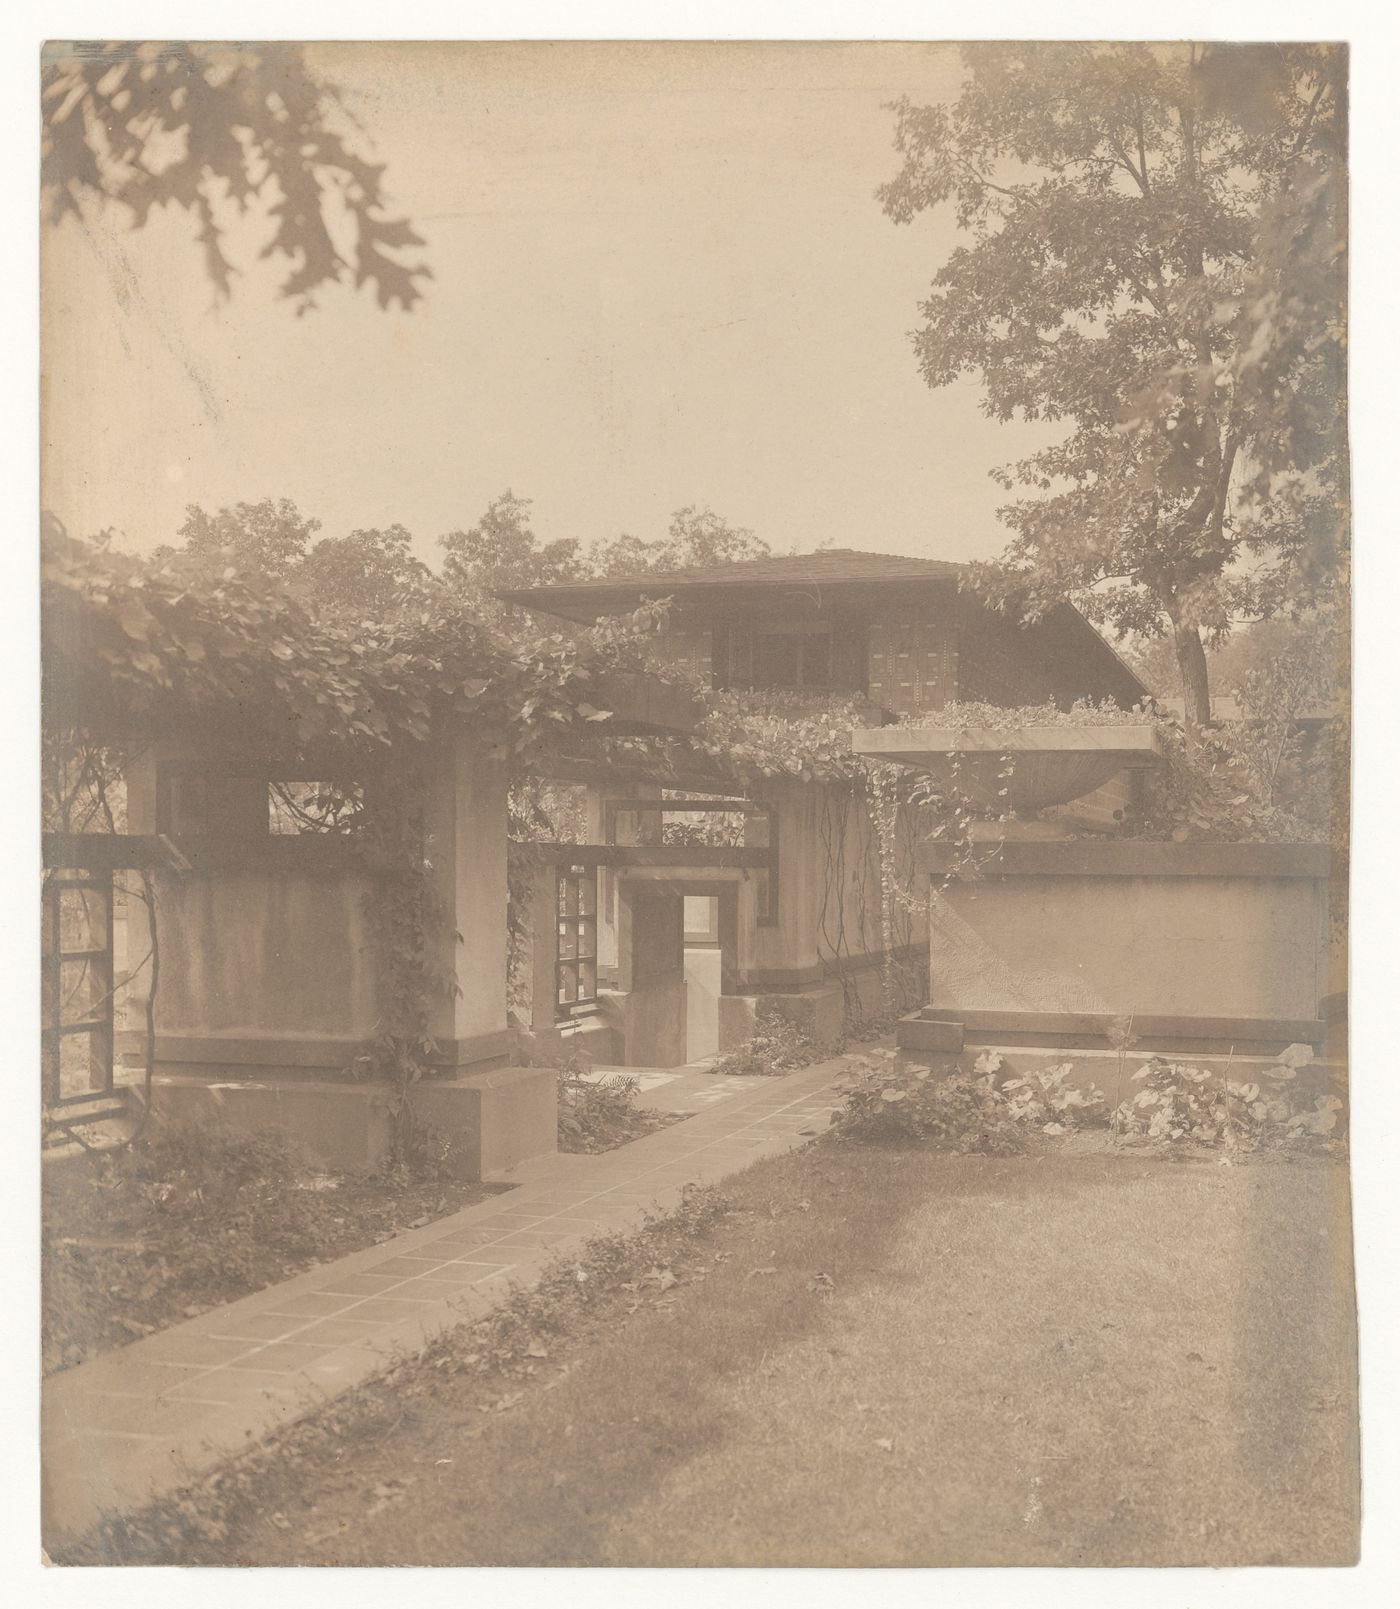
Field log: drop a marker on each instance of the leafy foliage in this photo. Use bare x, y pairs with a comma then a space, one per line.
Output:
1210, 788
502, 551
756, 736
266, 538
962, 1111
777, 1045
365, 575
982, 1110
599, 1114
1179, 1103
1012, 718
1153, 259
1046, 1097
696, 538
218, 131
141, 646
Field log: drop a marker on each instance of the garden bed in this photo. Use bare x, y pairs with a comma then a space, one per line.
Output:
596, 1134
190, 1218
599, 1114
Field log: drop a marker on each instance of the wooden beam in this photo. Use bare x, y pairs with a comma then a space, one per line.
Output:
111, 851
736, 807
623, 855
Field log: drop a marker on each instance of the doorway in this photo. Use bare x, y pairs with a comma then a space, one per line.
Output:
677, 955
703, 975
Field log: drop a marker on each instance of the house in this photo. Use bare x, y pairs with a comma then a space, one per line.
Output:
814, 941
892, 630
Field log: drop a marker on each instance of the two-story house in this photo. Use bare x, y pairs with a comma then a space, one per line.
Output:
895, 631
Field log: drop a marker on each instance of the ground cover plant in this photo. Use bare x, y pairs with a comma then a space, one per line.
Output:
599, 1114
864, 1355
193, 1216
777, 1045
985, 1108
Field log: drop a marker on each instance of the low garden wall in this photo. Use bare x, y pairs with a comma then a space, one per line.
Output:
486, 1123
1209, 948
268, 966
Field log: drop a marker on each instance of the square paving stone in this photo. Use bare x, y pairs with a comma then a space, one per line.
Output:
232, 1385
406, 1267
122, 1377
280, 1357
338, 1332
359, 1284
249, 1327
384, 1307
312, 1304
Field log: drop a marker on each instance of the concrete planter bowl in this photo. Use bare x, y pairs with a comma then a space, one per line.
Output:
1050, 765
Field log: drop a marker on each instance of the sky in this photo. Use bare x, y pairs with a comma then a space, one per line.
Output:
661, 278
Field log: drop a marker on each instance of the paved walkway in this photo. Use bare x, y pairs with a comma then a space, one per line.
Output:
151, 1416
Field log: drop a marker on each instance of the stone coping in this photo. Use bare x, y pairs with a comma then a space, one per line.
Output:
942, 1028
1136, 744
1132, 857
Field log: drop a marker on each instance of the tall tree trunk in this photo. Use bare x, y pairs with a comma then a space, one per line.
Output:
1195, 678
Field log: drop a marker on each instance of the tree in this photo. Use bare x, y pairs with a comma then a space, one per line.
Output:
266, 538
369, 574
1281, 643
1132, 274
218, 130
696, 537
501, 550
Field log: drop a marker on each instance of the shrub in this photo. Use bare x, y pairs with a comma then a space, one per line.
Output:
960, 1110
593, 1113
1179, 1103
777, 1045
1047, 1098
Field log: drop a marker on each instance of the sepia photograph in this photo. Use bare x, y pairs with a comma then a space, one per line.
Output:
696, 804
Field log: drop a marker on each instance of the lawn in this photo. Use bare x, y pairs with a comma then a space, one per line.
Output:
884, 1357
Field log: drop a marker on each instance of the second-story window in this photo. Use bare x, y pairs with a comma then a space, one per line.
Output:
792, 658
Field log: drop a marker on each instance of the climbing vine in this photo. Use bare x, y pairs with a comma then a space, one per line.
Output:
137, 649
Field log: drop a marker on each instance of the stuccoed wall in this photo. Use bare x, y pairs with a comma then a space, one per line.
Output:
255, 954
269, 960
829, 902
1157, 930
491, 1121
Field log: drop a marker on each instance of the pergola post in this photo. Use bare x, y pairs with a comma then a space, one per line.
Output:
465, 846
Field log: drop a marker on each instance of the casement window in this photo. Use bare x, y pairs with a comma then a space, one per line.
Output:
795, 656
78, 986
576, 945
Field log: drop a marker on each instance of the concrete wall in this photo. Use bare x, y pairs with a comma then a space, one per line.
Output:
829, 917
1105, 805
267, 947
260, 964
466, 845
1222, 933
491, 1120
